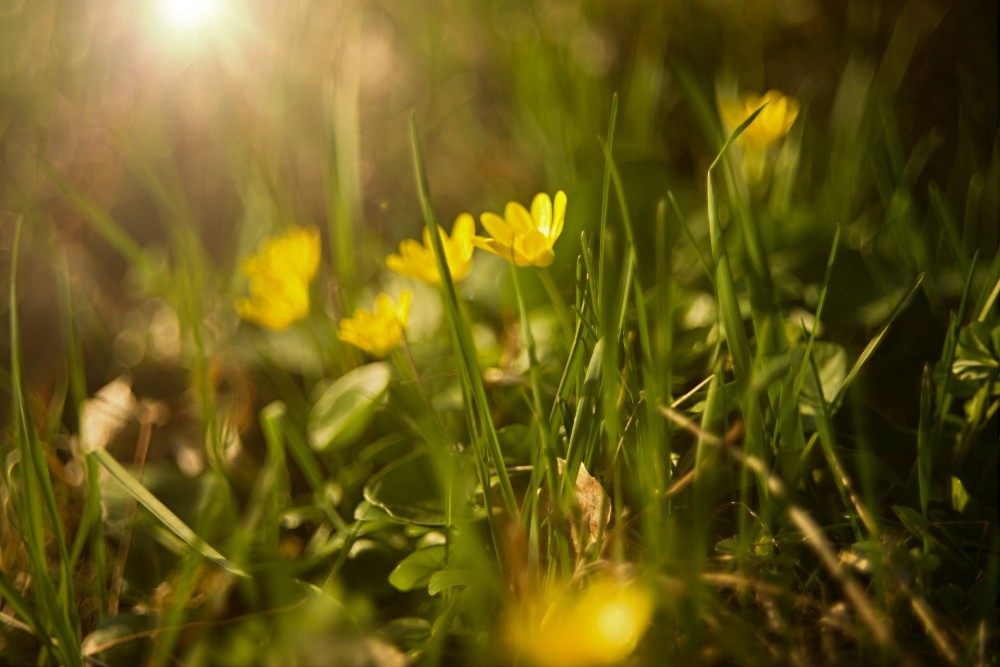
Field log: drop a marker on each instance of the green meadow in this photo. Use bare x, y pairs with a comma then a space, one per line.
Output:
506, 332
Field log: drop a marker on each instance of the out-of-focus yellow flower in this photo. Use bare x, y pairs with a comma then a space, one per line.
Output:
770, 126
525, 238
279, 275
418, 261
600, 625
381, 331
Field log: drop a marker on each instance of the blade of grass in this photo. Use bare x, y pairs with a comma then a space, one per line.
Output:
100, 221
729, 308
39, 501
944, 396
925, 447
598, 294
162, 513
477, 406
736, 336
950, 227
22, 608
873, 345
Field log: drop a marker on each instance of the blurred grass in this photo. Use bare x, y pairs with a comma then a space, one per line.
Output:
784, 389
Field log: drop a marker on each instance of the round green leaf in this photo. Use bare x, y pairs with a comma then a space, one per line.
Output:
415, 571
408, 490
342, 409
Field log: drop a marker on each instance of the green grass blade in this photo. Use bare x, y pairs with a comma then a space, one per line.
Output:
729, 309
873, 345
38, 502
925, 446
100, 221
162, 513
477, 408
582, 433
605, 196
22, 608
944, 396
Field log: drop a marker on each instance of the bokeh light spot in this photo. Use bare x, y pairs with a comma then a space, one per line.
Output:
188, 14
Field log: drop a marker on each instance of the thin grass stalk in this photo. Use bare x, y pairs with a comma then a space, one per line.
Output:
814, 536
970, 220
341, 175
545, 464
58, 602
91, 528
872, 345
477, 406
100, 222
598, 294
736, 338
944, 396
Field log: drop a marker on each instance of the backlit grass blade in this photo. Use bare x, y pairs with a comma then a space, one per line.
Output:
23, 609
101, 222
36, 506
944, 397
477, 405
582, 433
162, 513
605, 194
729, 309
91, 527
925, 446
873, 344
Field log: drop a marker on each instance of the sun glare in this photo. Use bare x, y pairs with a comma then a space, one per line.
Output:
188, 14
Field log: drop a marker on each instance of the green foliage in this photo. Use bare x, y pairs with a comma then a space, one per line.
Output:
755, 396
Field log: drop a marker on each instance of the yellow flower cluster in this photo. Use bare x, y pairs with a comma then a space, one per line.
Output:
600, 625
523, 238
279, 275
773, 123
418, 261
380, 331
280, 272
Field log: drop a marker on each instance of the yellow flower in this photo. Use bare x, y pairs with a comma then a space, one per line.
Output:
418, 261
279, 276
523, 238
600, 625
770, 126
381, 331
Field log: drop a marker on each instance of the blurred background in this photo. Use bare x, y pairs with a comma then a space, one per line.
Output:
147, 133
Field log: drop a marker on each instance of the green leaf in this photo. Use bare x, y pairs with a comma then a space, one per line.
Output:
959, 496
342, 409
409, 490
976, 356
415, 571
406, 633
831, 362
365, 511
443, 579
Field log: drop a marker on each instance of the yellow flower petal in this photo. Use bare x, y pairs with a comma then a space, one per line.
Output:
381, 331
497, 227
518, 218
541, 213
418, 261
770, 126
600, 625
558, 215
279, 275
522, 237
532, 249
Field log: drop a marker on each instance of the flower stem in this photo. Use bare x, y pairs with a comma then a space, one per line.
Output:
545, 458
